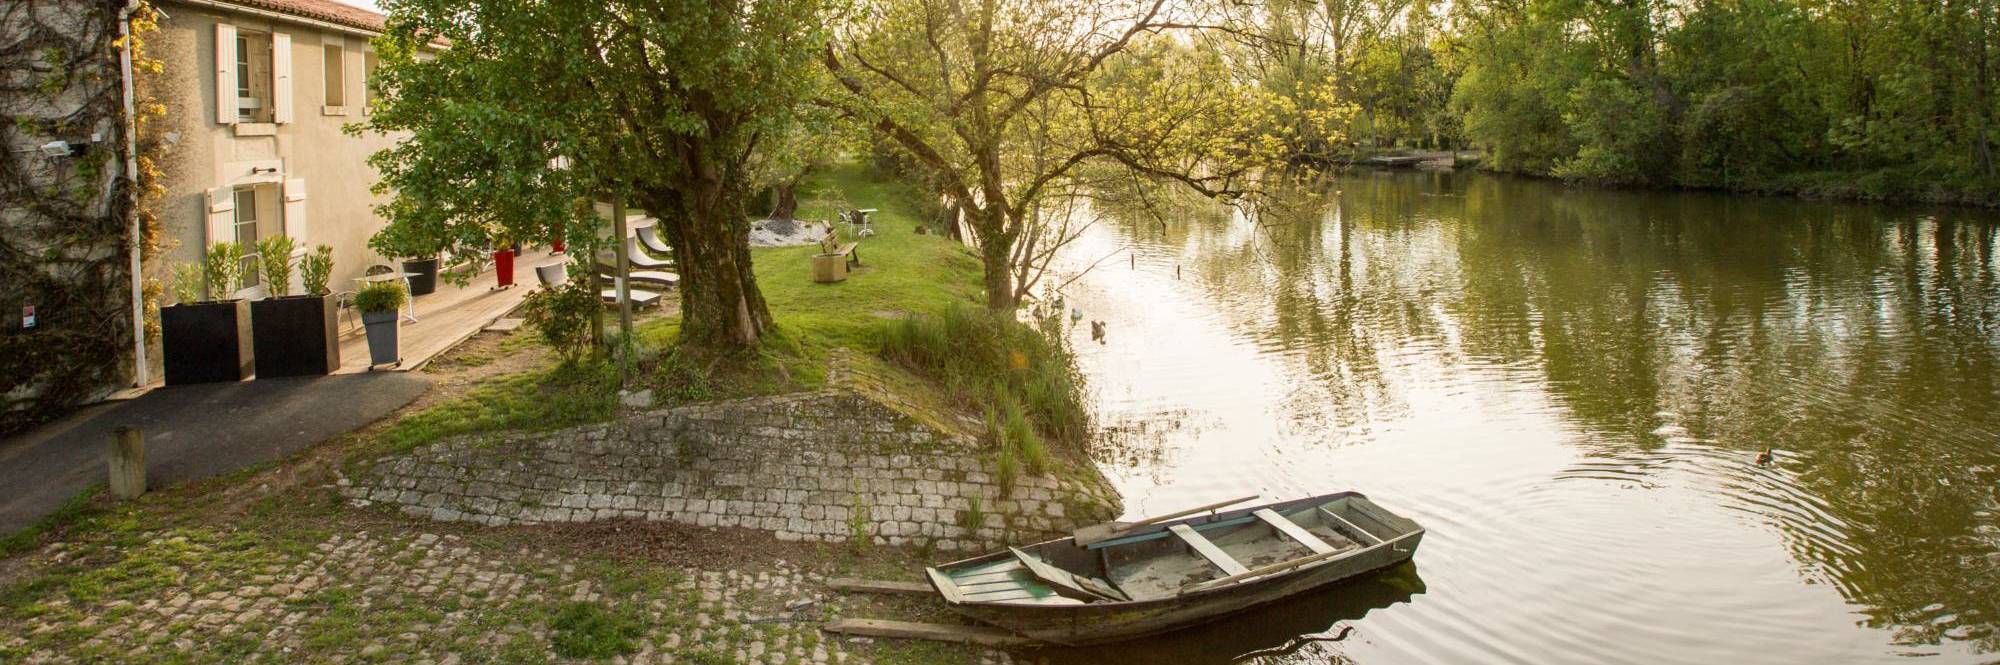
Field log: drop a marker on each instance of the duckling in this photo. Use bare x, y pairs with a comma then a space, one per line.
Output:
1075, 314
1764, 458
1097, 331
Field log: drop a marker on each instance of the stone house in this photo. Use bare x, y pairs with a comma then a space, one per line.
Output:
258, 93
253, 144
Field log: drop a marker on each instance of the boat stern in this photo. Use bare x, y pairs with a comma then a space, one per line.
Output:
947, 589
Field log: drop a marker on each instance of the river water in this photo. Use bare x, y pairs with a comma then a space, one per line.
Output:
1569, 389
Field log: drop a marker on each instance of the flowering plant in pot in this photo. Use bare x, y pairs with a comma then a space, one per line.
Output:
378, 303
205, 336
295, 335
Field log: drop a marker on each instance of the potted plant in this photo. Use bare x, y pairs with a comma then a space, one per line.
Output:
208, 340
418, 246
378, 303
294, 335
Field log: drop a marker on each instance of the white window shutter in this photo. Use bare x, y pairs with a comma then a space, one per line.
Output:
225, 74
281, 76
221, 215
295, 224
295, 211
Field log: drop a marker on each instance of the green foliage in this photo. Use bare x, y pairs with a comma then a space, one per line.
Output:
1881, 99
972, 517
590, 630
1014, 150
562, 316
1622, 136
187, 283
569, 394
380, 297
222, 270
315, 269
1028, 377
274, 260
857, 523
411, 241
674, 105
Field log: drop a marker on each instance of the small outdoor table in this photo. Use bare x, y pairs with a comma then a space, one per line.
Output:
366, 280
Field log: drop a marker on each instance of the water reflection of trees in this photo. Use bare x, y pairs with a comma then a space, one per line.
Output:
1860, 341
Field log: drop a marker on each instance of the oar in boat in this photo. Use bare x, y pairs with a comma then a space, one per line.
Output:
1097, 533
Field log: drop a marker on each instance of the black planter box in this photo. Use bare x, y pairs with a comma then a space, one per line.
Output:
295, 336
206, 342
425, 279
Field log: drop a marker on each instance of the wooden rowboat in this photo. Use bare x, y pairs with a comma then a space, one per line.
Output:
1175, 574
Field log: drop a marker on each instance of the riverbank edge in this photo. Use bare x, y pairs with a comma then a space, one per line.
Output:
1818, 186
1827, 187
868, 458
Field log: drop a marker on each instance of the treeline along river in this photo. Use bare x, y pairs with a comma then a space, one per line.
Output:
1571, 388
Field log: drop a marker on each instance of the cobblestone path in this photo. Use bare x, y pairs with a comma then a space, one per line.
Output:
202, 595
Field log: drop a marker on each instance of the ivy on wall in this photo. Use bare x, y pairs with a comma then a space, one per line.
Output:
64, 237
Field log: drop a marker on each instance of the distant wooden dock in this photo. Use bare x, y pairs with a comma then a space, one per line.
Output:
1408, 160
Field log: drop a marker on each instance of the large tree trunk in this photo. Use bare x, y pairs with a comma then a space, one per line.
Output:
721, 306
785, 199
996, 254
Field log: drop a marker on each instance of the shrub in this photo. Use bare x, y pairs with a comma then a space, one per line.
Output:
379, 297
562, 314
274, 261
187, 281
222, 270
315, 269
1026, 376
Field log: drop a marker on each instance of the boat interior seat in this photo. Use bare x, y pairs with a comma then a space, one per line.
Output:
1207, 549
1292, 530
1090, 587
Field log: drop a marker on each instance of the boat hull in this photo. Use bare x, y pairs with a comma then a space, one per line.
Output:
1103, 622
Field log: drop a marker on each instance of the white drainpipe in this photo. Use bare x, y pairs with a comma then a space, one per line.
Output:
140, 372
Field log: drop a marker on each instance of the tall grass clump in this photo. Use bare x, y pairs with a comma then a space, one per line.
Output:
1024, 379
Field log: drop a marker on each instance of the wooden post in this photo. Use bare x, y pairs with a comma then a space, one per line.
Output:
624, 287
128, 462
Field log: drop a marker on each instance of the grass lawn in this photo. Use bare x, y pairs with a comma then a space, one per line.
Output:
901, 272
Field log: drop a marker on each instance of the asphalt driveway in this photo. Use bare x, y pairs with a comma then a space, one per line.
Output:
192, 432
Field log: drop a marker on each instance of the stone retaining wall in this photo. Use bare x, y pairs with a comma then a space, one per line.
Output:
821, 467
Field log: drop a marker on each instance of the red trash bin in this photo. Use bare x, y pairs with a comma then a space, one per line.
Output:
503, 268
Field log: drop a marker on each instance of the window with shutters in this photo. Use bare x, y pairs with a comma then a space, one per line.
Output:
336, 74
253, 77
258, 216
246, 233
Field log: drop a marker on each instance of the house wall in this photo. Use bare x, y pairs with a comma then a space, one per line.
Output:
313, 147
64, 225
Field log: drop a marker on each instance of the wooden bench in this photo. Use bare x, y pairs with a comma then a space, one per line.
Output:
556, 275
848, 250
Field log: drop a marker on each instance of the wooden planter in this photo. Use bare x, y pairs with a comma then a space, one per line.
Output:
295, 336
206, 342
829, 267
